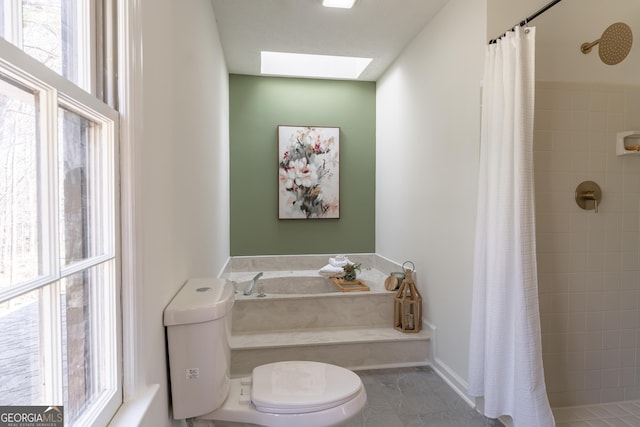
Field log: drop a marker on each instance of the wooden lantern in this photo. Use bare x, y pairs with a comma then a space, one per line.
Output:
407, 309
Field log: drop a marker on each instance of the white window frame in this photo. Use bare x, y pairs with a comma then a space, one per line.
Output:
137, 393
55, 91
86, 24
122, 55
13, 14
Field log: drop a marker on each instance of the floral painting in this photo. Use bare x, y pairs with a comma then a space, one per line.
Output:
308, 164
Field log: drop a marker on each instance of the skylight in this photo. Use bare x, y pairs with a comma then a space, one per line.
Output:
320, 66
343, 4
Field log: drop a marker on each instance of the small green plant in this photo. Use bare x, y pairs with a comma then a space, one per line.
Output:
350, 271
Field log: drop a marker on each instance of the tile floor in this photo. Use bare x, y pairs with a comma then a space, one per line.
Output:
409, 397
412, 397
619, 414
417, 397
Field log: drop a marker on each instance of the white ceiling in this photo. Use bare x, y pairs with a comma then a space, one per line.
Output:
378, 29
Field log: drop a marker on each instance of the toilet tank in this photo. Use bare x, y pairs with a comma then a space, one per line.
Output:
198, 325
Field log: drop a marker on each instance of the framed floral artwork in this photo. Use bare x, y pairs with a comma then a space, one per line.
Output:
309, 178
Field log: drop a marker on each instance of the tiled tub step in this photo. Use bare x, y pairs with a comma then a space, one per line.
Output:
332, 311
353, 348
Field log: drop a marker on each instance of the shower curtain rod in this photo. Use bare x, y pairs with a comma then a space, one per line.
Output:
528, 19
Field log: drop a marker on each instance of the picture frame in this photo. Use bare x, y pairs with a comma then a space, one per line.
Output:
308, 172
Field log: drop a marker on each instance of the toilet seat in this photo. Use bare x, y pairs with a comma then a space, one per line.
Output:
297, 387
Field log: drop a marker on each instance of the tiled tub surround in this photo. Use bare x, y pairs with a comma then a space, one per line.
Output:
351, 329
588, 263
272, 263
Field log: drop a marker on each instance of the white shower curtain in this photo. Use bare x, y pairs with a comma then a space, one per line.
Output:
505, 364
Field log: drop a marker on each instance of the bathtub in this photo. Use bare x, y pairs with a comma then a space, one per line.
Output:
297, 276
291, 284
296, 294
282, 285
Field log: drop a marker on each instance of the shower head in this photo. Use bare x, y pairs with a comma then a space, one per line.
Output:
615, 43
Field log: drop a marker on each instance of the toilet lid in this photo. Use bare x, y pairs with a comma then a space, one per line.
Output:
298, 387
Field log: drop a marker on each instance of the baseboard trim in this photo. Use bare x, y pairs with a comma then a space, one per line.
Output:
454, 381
389, 366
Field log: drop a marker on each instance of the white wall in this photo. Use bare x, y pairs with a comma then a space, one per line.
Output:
562, 30
428, 117
184, 167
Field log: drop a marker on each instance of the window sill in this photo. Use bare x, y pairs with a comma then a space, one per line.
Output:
132, 413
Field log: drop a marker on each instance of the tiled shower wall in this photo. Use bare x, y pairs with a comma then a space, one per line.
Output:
588, 263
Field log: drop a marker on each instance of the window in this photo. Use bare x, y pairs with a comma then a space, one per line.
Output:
58, 33
59, 230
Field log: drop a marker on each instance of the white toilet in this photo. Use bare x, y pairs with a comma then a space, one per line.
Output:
282, 394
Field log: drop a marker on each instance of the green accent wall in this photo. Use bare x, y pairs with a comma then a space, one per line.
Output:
257, 106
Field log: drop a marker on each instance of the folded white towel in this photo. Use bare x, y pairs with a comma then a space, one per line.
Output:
339, 261
331, 271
